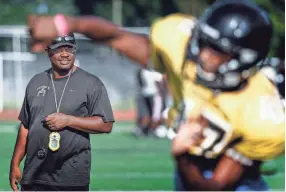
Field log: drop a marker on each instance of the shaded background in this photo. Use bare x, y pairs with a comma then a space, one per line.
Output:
120, 162
130, 13
137, 14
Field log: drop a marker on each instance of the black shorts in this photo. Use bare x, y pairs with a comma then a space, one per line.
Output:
40, 187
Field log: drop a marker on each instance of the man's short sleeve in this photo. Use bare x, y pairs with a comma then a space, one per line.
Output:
25, 114
98, 102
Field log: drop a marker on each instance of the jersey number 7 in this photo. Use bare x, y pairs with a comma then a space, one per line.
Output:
216, 136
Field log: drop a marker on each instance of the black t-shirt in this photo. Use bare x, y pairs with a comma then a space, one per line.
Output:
84, 96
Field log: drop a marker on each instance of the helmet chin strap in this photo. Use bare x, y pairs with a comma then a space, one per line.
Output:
208, 76
229, 81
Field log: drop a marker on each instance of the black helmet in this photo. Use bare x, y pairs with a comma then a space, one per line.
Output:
239, 28
63, 40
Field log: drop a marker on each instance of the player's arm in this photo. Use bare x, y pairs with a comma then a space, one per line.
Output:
133, 45
190, 134
226, 174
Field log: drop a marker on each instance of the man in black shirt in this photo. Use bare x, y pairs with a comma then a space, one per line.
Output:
62, 106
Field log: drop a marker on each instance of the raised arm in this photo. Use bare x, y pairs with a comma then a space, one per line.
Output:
135, 46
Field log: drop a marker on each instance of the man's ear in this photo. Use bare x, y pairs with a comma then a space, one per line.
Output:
47, 52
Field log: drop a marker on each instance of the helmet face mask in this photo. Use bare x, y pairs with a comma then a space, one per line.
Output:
245, 39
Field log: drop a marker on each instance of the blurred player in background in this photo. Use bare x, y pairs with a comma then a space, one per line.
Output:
143, 117
150, 101
228, 114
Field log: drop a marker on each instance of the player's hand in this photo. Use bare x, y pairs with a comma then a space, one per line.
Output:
43, 30
189, 134
15, 177
57, 121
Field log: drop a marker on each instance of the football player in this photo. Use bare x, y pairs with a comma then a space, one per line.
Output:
229, 113
149, 100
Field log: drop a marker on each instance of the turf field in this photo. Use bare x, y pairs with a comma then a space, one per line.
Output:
122, 162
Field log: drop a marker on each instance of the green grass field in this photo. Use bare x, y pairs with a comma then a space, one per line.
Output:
122, 162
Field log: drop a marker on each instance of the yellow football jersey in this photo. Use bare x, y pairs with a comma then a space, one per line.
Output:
166, 57
253, 116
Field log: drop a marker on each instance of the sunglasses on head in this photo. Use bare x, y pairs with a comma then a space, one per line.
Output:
61, 39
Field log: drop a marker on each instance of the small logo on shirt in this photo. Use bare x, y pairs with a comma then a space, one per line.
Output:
42, 90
